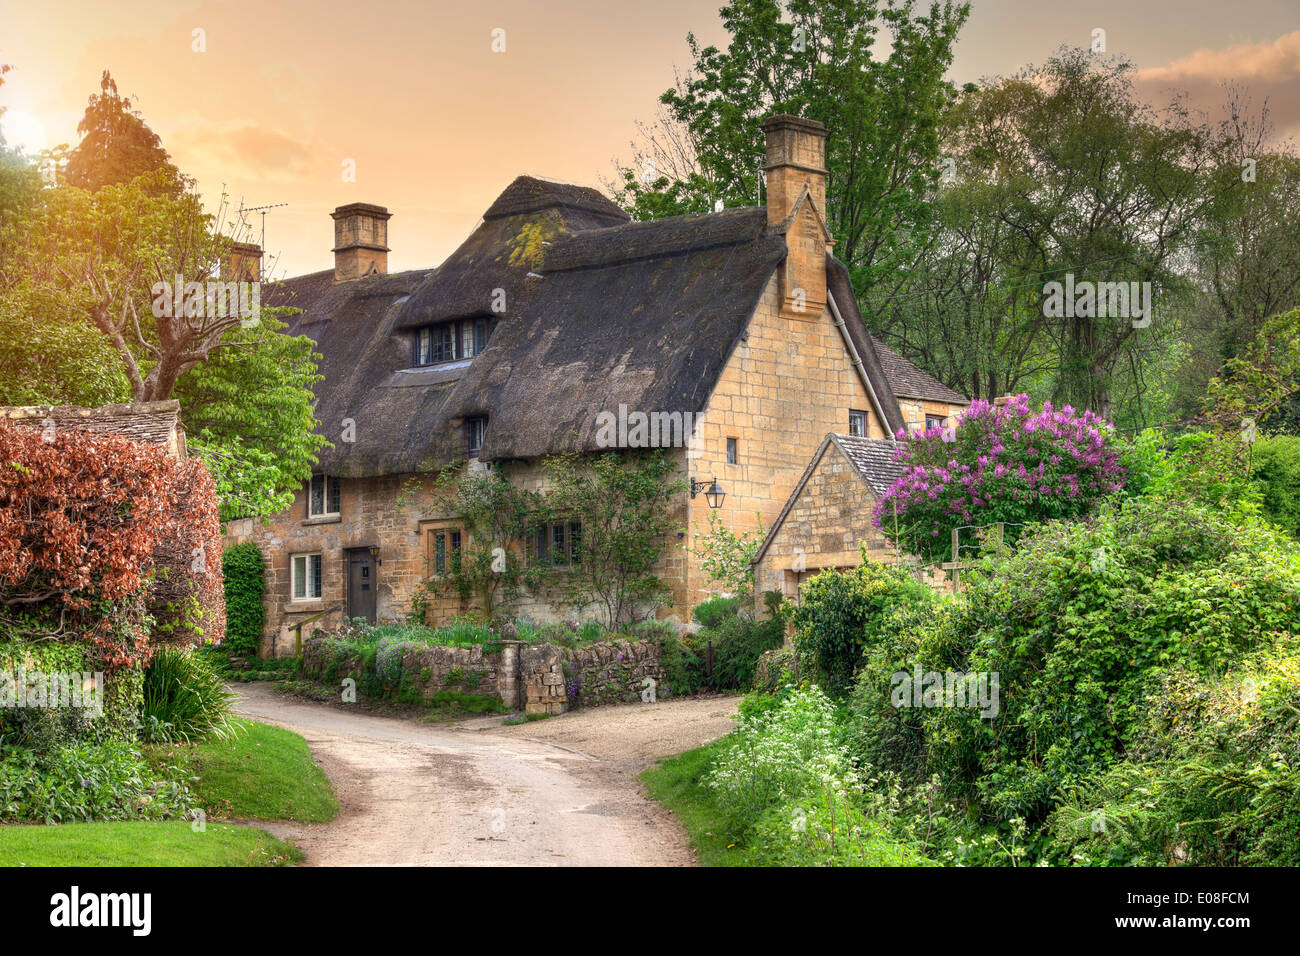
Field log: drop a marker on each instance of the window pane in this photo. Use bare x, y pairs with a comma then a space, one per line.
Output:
541, 540
455, 551
557, 544
422, 341
575, 540
446, 350
858, 424
731, 451
480, 335
440, 553
317, 504
300, 576
474, 429
315, 561
467, 340
335, 495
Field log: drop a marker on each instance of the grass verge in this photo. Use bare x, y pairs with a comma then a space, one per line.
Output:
265, 773
142, 843
677, 783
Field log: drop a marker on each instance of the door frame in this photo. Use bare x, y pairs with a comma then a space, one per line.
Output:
348, 554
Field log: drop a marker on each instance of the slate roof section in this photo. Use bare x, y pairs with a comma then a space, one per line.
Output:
910, 382
873, 459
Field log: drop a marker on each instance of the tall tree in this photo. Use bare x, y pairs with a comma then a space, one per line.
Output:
116, 144
112, 295
1083, 179
815, 58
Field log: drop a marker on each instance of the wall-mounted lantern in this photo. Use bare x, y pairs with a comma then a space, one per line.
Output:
713, 492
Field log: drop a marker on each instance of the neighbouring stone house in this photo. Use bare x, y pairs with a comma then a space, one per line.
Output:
555, 314
829, 516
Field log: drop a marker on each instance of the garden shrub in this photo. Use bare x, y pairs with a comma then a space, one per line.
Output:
738, 640
842, 613
184, 699
682, 666
1212, 777
43, 728
738, 643
1001, 464
1277, 472
1078, 623
88, 528
243, 572
715, 610
186, 596
110, 781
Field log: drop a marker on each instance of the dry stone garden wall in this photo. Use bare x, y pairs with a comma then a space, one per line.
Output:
534, 678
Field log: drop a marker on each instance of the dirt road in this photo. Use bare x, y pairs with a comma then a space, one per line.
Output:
561, 791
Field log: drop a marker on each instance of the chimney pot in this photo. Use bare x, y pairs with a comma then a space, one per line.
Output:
360, 240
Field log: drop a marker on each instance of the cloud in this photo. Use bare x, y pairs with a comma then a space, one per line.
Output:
243, 147
1269, 69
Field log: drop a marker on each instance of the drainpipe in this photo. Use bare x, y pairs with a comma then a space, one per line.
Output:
857, 363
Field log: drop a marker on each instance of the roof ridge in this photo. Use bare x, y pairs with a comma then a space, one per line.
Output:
657, 238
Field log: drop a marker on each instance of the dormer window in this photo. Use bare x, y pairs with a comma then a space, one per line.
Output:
451, 341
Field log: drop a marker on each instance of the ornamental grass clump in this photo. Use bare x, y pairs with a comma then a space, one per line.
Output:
1004, 463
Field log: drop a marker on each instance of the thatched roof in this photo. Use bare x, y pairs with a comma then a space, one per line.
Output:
599, 311
643, 315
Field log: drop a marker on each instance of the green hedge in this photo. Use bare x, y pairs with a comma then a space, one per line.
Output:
244, 574
1277, 472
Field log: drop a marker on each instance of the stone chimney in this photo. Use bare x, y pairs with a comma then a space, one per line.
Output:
796, 208
360, 240
245, 262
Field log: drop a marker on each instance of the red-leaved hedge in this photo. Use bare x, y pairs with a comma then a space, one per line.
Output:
100, 538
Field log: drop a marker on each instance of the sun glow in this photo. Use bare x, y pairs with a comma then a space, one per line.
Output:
22, 129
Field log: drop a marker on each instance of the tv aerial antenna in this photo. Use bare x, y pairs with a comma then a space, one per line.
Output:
263, 211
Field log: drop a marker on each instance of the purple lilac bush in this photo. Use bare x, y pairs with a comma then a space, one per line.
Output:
1002, 463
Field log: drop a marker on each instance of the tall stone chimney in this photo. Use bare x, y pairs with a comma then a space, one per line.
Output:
360, 240
245, 262
796, 208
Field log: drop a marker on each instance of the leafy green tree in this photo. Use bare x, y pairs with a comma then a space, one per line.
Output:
1081, 176
100, 269
494, 515
248, 414
814, 58
626, 505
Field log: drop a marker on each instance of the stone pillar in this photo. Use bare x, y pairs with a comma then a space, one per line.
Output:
508, 685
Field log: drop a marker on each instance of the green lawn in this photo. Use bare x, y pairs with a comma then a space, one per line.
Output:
676, 783
142, 843
266, 773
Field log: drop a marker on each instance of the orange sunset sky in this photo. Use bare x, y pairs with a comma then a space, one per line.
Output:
438, 124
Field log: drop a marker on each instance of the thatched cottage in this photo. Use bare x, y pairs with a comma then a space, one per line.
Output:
556, 314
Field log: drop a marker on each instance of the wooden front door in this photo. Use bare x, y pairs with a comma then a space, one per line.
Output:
361, 584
